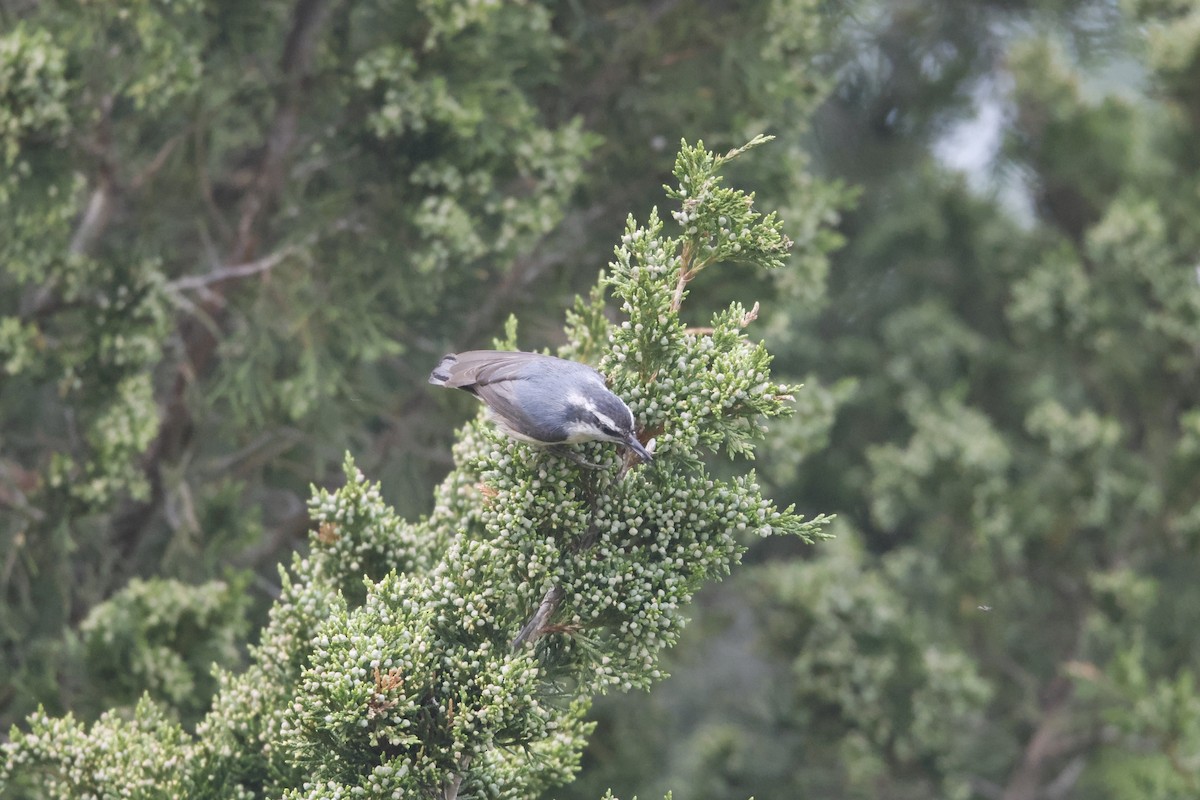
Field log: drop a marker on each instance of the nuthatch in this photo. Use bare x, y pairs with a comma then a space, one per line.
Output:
540, 399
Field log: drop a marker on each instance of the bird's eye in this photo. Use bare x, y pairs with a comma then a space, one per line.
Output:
607, 429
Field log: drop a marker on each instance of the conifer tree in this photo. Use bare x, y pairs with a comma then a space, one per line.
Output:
1008, 609
388, 666
235, 235
223, 227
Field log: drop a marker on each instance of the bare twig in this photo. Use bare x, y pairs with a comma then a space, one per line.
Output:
100, 204
235, 271
1051, 741
156, 163
231, 272
95, 217
308, 19
537, 623
685, 274
204, 184
750, 315
1062, 785
455, 782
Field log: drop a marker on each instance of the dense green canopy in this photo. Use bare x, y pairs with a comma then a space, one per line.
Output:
234, 238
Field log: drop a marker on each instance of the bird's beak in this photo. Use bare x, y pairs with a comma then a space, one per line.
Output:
641, 452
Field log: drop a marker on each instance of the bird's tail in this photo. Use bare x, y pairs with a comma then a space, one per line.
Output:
441, 373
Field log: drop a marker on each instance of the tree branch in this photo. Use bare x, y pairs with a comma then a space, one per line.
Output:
1050, 742
199, 340
537, 623
95, 217
232, 272
219, 275
308, 18
455, 782
100, 204
148, 172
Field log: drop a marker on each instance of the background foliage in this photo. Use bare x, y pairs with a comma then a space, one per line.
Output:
235, 241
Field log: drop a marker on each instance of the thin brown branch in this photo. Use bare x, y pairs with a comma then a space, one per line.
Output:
204, 185
308, 19
103, 197
95, 217
455, 783
1062, 785
148, 172
685, 275
1051, 741
102, 201
538, 622
706, 330
677, 300
234, 271
200, 341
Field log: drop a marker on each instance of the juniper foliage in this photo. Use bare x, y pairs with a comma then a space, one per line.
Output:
223, 226
387, 667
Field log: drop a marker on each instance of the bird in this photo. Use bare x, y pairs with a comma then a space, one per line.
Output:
542, 400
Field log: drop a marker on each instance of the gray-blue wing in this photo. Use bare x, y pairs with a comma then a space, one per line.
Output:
483, 367
520, 388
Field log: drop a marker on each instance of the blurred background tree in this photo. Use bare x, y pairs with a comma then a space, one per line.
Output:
1005, 614
234, 241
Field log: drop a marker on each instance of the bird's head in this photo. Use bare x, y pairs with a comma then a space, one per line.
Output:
602, 416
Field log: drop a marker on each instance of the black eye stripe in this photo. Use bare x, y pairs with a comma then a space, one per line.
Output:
607, 429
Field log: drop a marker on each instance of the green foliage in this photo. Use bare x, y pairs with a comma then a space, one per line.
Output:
162, 637
1010, 608
234, 237
32, 90
388, 666
1015, 448
216, 243
59, 758
887, 694
1008, 399
721, 222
